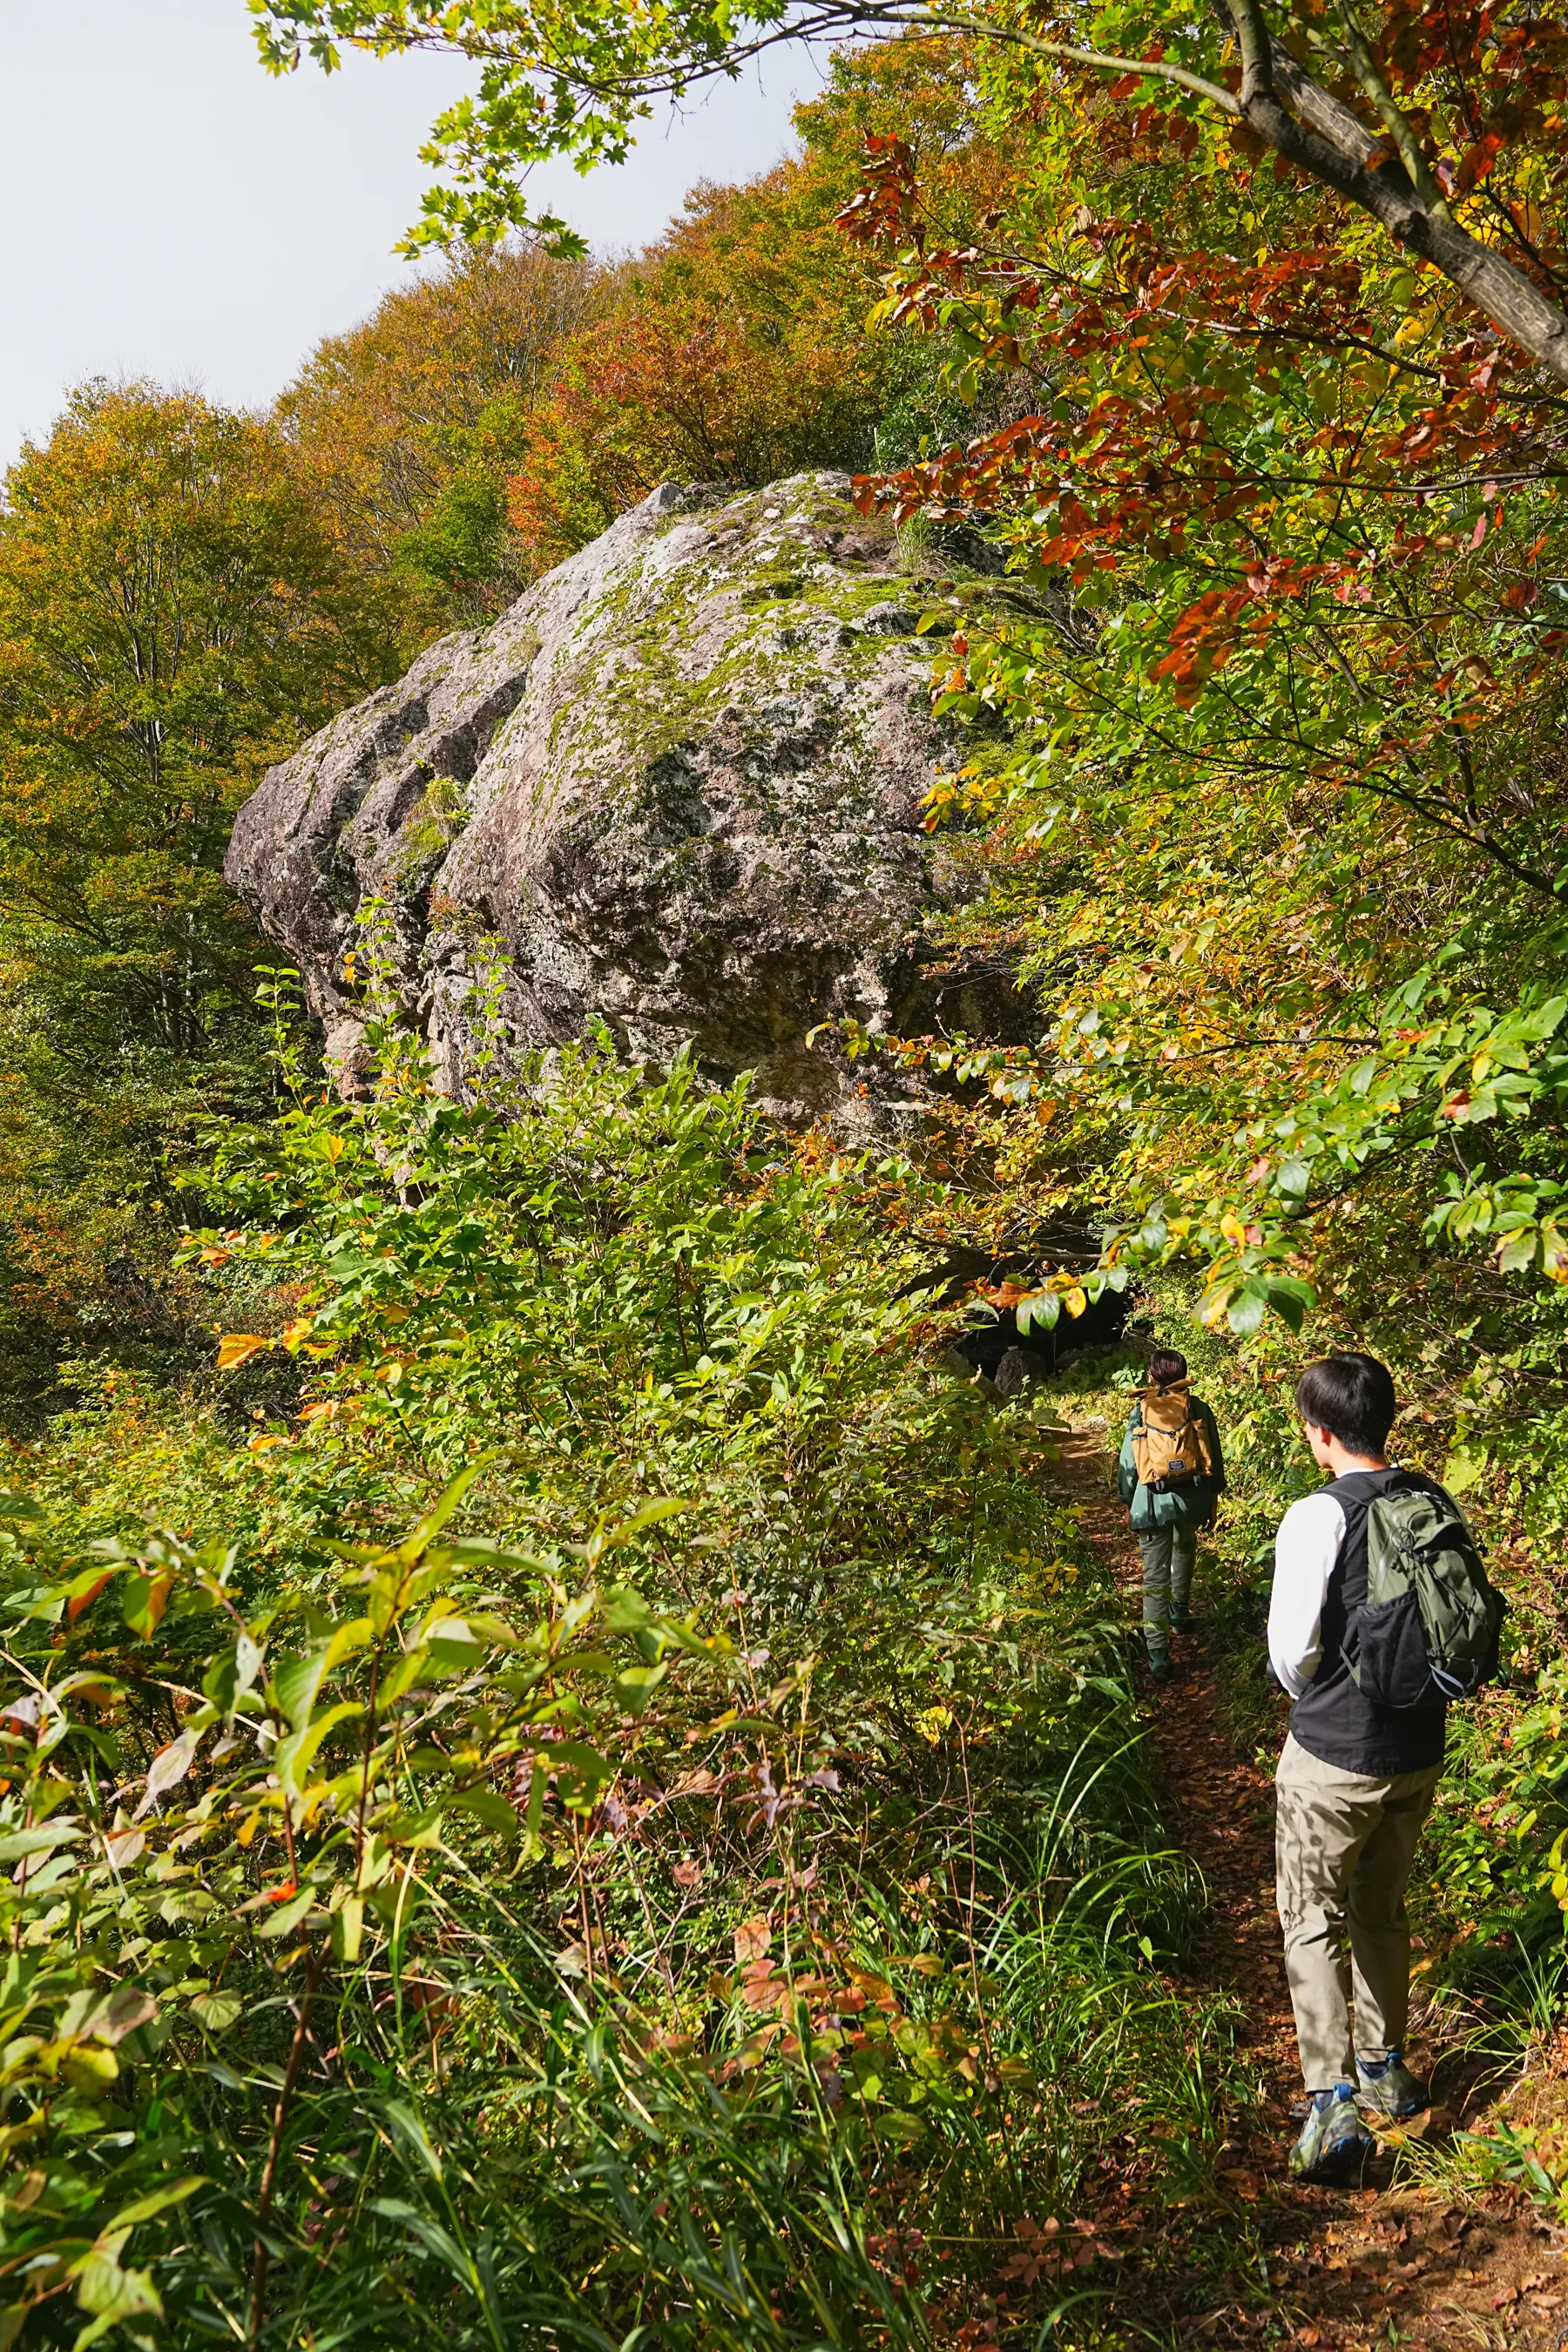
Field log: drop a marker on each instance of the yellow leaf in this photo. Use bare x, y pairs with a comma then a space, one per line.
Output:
89, 2068
237, 1347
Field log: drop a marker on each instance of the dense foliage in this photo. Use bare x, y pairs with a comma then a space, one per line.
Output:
411, 1922
564, 1775
735, 349
169, 616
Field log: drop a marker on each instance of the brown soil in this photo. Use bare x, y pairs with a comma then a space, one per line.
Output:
1420, 2267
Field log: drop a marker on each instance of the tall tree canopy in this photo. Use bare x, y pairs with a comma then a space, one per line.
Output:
1425, 120
405, 428
735, 348
1283, 806
170, 618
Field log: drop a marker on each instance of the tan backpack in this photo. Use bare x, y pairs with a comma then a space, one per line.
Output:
1170, 1440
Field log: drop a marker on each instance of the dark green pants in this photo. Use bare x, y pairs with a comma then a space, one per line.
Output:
1168, 1556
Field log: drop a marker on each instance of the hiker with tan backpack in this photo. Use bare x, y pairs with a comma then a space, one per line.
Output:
1172, 1473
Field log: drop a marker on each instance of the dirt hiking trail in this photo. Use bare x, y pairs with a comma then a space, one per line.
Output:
1412, 2264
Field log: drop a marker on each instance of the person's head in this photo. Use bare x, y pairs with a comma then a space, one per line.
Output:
1349, 1398
1166, 1368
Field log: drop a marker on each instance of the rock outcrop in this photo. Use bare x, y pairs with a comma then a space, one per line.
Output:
679, 782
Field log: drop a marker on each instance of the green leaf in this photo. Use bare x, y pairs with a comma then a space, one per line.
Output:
580, 1771
1245, 1308
1465, 1468
295, 1682
159, 2200
487, 1805
648, 1515
408, 2128
348, 1927
217, 2011
415, 1546
15, 1844
635, 1686
429, 2234
1042, 1307
1291, 1299
287, 1916
294, 1755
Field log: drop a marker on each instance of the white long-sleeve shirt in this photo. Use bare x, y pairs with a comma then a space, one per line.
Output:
1305, 1551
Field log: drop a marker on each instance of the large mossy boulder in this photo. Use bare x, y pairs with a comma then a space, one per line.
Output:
679, 782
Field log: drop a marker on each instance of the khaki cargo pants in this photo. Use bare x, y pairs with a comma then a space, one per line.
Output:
1343, 1844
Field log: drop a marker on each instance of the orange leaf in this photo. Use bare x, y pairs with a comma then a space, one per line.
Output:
80, 1601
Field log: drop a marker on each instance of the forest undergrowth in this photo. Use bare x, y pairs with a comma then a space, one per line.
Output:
618, 1810
594, 1791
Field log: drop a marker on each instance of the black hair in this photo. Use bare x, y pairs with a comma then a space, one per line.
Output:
1166, 1368
1352, 1397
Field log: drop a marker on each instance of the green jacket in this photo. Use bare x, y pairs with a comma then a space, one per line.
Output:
1183, 1507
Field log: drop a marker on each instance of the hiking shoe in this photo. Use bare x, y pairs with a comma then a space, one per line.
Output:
1388, 2086
1160, 1666
1334, 2142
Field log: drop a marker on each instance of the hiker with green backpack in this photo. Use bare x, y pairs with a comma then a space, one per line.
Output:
1381, 1615
1172, 1475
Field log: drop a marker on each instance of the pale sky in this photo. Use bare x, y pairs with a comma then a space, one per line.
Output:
176, 213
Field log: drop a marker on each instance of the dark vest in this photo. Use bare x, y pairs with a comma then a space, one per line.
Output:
1332, 1721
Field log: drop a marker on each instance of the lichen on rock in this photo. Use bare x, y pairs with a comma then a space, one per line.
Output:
680, 782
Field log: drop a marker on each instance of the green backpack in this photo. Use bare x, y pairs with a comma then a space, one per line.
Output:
1431, 1618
